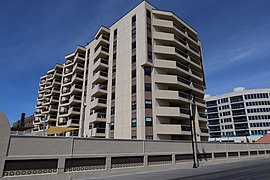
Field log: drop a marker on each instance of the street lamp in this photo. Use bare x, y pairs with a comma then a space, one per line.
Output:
193, 129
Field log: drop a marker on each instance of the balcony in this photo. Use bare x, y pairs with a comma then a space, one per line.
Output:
76, 88
100, 77
77, 78
99, 90
172, 112
100, 65
98, 117
101, 53
102, 40
98, 132
74, 111
78, 68
98, 104
75, 99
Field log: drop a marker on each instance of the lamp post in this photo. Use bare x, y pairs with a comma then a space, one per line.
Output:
193, 136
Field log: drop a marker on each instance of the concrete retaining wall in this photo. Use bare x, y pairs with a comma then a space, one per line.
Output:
28, 157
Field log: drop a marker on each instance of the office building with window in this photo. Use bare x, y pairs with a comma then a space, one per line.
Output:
239, 116
139, 79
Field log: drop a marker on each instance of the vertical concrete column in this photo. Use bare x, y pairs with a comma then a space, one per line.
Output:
61, 165
173, 159
4, 140
145, 160
108, 163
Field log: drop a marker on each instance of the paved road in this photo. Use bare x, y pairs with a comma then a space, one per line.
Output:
243, 170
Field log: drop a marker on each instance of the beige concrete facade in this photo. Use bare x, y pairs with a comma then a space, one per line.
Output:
138, 79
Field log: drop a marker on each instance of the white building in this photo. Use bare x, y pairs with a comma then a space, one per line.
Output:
238, 116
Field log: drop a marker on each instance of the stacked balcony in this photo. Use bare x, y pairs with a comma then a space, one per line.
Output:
71, 90
98, 105
179, 76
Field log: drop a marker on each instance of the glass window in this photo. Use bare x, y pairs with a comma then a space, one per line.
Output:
148, 87
133, 58
115, 32
133, 46
133, 122
113, 95
148, 137
148, 121
133, 89
112, 110
148, 103
150, 55
147, 71
149, 41
112, 125
133, 74
114, 69
114, 56
148, 27
113, 82
133, 20
133, 105
148, 13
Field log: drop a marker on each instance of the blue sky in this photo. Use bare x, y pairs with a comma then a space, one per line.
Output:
37, 34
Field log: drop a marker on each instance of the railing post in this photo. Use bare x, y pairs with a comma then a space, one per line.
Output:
108, 163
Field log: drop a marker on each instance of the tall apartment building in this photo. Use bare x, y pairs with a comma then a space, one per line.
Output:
48, 99
136, 80
239, 116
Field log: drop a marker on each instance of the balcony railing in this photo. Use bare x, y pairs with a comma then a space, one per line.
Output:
77, 97
185, 128
179, 28
193, 37
102, 73
184, 110
182, 53
104, 49
182, 66
101, 115
105, 38
194, 49
204, 130
183, 80
196, 73
182, 41
102, 101
202, 115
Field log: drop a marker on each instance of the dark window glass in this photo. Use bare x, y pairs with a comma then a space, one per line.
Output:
114, 56
115, 45
115, 32
133, 74
133, 59
113, 95
148, 87
133, 32
149, 41
112, 125
148, 104
148, 27
133, 45
150, 55
133, 105
133, 122
133, 89
147, 71
148, 13
133, 19
114, 69
148, 121
148, 137
113, 82
112, 110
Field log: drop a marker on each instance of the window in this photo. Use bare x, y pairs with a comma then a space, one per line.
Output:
114, 69
150, 57
113, 82
133, 89
133, 105
133, 122
149, 121
113, 95
133, 74
148, 27
112, 110
148, 137
112, 125
148, 104
148, 13
115, 32
133, 20
133, 32
114, 56
147, 71
133, 58
148, 87
133, 137
149, 41
133, 46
